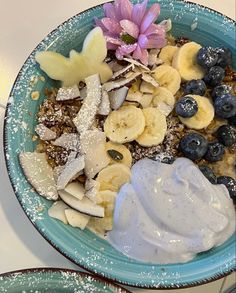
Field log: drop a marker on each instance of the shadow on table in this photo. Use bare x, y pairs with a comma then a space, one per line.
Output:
19, 222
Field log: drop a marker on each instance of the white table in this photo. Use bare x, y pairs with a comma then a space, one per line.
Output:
23, 24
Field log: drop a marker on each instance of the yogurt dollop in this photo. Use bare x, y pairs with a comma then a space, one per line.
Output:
169, 213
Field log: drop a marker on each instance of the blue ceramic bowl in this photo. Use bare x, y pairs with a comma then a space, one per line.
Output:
51, 280
83, 247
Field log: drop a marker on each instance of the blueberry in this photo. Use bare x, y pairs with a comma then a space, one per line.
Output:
220, 90
186, 107
225, 106
208, 173
207, 57
224, 57
230, 184
195, 87
226, 135
232, 120
214, 76
193, 146
215, 152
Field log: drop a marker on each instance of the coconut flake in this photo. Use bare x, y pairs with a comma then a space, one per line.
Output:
57, 211
152, 56
44, 132
88, 111
91, 190
117, 97
148, 78
111, 85
76, 219
115, 66
71, 170
136, 63
69, 141
104, 107
93, 147
68, 93
39, 173
123, 71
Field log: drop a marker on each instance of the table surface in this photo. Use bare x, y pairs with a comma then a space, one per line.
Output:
23, 24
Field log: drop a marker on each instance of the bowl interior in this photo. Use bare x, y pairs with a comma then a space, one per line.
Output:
83, 247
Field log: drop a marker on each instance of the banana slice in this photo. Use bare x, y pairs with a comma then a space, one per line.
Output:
168, 77
155, 128
125, 124
126, 160
113, 177
185, 62
164, 100
204, 115
167, 53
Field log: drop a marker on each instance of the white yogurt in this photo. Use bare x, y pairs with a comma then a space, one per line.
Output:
169, 213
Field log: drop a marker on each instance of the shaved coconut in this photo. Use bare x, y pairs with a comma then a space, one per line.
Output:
76, 219
85, 206
111, 85
71, 170
115, 66
75, 189
146, 87
136, 63
93, 147
44, 132
123, 71
57, 171
134, 96
69, 141
149, 79
104, 107
68, 93
87, 112
83, 93
71, 157
92, 188
39, 173
57, 211
117, 97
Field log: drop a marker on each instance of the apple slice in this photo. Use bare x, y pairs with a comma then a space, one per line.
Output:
85, 206
76, 219
39, 174
57, 211
76, 189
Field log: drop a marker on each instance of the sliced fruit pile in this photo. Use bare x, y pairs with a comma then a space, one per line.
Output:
87, 128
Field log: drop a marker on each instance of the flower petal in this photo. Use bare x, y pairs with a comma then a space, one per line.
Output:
141, 54
150, 17
99, 23
126, 9
111, 46
109, 10
113, 40
130, 28
111, 25
125, 50
155, 29
117, 6
156, 42
142, 41
138, 12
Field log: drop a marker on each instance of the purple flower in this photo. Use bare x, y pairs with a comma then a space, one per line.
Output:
131, 30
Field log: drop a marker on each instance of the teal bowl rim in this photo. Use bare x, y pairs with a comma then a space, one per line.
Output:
45, 236
28, 271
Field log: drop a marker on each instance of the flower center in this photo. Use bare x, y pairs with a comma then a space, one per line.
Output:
128, 39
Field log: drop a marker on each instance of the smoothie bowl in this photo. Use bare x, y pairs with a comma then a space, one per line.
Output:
120, 142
